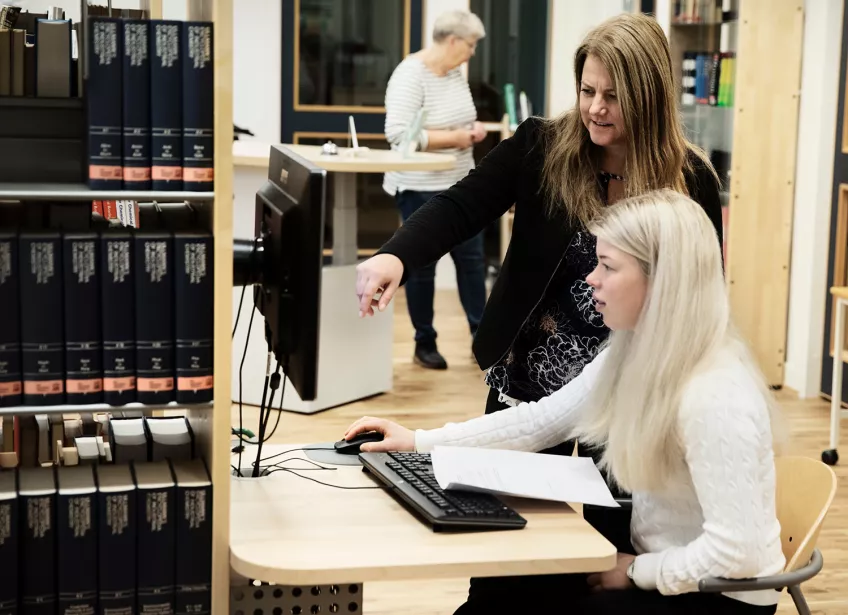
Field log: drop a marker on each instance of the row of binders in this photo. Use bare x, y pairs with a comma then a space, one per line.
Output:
708, 78
115, 538
43, 440
111, 317
150, 100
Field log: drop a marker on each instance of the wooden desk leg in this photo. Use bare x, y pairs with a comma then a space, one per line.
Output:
344, 219
831, 456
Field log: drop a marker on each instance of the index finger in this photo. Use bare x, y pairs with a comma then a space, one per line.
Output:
366, 423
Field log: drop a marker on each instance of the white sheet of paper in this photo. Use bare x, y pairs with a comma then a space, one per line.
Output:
530, 475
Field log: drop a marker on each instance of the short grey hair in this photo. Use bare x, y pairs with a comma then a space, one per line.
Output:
463, 24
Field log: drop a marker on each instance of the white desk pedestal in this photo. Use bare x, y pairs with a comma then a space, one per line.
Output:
354, 354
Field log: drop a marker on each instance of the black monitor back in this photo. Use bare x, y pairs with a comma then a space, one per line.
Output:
290, 220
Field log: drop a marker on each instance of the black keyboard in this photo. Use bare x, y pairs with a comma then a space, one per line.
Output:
410, 478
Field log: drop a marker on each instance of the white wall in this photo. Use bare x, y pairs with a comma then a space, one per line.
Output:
257, 67
571, 21
813, 183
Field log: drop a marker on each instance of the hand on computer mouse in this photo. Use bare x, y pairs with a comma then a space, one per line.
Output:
395, 437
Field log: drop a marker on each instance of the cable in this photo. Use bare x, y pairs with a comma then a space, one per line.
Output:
262, 410
241, 369
317, 465
238, 312
321, 482
280, 409
292, 451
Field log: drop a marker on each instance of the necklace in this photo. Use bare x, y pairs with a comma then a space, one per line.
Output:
608, 176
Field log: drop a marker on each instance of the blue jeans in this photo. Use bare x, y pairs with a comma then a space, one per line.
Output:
420, 286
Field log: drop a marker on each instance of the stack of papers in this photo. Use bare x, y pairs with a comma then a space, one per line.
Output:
516, 473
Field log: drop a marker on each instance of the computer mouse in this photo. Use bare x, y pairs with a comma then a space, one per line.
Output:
351, 447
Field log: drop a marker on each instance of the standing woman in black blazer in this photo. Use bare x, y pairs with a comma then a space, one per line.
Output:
622, 138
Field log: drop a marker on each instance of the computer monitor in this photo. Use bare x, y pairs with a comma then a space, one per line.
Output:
283, 262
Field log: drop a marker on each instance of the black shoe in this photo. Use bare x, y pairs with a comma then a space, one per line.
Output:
427, 355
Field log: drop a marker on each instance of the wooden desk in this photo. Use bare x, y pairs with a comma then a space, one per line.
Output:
344, 167
288, 530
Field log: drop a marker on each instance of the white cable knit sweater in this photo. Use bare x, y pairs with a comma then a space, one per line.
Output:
717, 521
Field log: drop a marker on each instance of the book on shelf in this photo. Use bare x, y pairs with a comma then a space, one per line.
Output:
136, 104
118, 318
9, 542
128, 538
76, 539
11, 381
135, 322
42, 333
37, 540
198, 106
104, 101
155, 512
83, 352
166, 105
154, 330
193, 320
707, 78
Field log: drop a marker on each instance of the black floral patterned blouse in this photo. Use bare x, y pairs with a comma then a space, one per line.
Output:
562, 334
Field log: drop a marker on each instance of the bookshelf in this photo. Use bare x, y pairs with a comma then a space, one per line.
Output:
95, 408
210, 422
81, 192
752, 138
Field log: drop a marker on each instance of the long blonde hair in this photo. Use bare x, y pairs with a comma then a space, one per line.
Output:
683, 327
634, 50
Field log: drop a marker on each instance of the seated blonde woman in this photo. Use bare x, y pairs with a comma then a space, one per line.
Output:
687, 422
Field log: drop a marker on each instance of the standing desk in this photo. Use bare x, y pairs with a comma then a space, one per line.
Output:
345, 339
291, 531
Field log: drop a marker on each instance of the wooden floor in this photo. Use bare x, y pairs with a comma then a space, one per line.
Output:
424, 398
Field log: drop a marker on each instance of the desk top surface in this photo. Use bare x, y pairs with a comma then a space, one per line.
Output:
290, 530
256, 153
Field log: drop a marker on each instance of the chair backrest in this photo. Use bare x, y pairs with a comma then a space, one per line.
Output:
805, 491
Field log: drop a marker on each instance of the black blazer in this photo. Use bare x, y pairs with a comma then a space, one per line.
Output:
510, 174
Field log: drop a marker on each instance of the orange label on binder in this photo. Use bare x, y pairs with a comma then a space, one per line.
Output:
167, 173
191, 174
119, 384
155, 384
188, 383
136, 174
99, 171
91, 385
43, 387
10, 388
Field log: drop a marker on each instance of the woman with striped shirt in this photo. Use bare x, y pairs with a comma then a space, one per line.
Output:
431, 81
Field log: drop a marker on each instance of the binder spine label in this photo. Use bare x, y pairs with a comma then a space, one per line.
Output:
11, 383
195, 381
166, 106
84, 380
136, 97
198, 120
42, 334
156, 544
105, 147
9, 556
77, 554
38, 555
194, 551
117, 543
154, 320
118, 316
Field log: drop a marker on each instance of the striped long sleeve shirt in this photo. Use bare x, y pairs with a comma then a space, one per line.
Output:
447, 104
